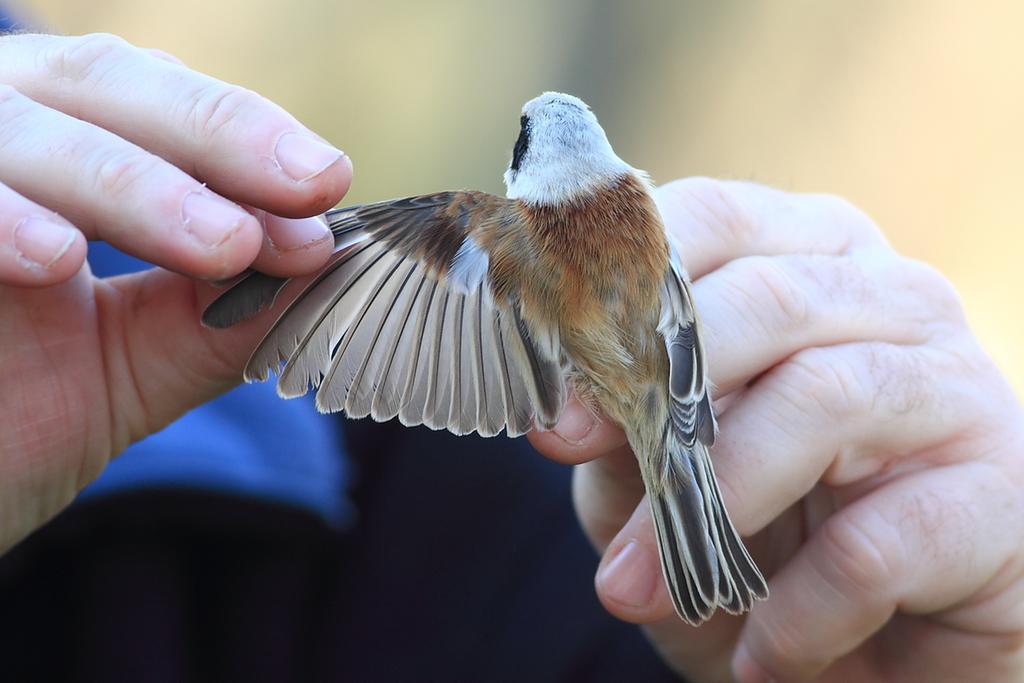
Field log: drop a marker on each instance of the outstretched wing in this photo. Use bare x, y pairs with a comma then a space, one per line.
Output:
403, 321
690, 395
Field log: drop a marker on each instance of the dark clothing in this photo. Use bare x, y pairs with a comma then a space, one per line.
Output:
466, 564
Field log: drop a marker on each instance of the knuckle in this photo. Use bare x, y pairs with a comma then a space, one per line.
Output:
731, 213
942, 300
899, 379
164, 56
215, 107
863, 556
826, 383
86, 58
839, 280
857, 224
717, 205
15, 113
121, 175
941, 523
771, 293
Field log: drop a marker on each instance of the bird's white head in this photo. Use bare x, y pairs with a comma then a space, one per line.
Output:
562, 153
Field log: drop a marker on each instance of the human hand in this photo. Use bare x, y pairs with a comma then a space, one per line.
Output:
103, 140
868, 446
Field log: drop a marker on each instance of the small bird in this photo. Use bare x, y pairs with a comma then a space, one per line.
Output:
471, 312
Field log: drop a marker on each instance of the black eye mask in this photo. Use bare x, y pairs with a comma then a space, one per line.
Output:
522, 143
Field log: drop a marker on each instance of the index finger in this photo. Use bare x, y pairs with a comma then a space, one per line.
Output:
717, 221
241, 144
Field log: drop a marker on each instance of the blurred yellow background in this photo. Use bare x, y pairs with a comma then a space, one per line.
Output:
913, 110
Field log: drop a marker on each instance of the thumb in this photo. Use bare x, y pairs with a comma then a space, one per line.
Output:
161, 362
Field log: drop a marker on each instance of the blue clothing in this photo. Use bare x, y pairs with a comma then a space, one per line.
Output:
248, 442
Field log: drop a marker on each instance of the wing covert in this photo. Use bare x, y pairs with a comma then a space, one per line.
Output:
690, 394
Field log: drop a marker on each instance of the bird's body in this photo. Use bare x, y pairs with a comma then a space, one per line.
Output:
595, 272
472, 312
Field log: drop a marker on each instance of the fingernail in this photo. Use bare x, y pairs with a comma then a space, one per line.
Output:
42, 242
209, 219
289, 234
576, 423
303, 157
631, 577
746, 670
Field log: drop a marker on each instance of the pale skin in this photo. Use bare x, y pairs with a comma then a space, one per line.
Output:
868, 444
90, 365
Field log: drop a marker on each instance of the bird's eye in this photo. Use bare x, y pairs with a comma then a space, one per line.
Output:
522, 142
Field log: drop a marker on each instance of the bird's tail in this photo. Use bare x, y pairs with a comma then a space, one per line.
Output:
704, 560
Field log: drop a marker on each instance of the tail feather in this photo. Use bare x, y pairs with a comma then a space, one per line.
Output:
705, 563
688, 585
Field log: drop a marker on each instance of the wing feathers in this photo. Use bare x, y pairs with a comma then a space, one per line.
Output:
418, 383
439, 406
300, 320
690, 401
514, 385
336, 303
388, 303
246, 297
403, 321
546, 385
401, 354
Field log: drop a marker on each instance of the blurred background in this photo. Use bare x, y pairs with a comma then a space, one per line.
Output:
912, 110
